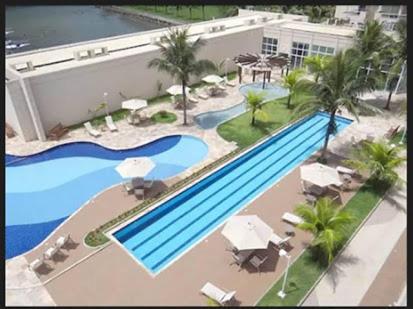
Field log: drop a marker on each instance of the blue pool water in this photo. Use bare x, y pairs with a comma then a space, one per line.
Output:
210, 120
159, 236
43, 189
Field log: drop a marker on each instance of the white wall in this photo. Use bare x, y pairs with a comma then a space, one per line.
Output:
65, 96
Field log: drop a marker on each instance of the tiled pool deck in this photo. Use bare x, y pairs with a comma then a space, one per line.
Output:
111, 277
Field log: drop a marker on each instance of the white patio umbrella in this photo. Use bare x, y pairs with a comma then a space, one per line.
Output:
213, 79
247, 232
177, 90
134, 104
320, 175
135, 167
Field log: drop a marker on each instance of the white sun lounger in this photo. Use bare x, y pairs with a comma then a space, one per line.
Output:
49, 253
201, 94
278, 241
62, 240
36, 264
289, 217
217, 294
192, 99
345, 170
90, 129
221, 87
110, 124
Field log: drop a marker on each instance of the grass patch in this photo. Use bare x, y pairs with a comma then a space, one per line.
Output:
183, 12
304, 272
240, 130
163, 117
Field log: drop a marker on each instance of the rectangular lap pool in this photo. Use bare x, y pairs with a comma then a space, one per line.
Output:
159, 236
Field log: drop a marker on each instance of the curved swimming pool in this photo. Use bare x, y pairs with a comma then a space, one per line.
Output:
210, 120
44, 189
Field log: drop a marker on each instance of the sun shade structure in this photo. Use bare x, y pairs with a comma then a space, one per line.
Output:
247, 232
320, 175
135, 167
177, 90
213, 79
260, 63
134, 104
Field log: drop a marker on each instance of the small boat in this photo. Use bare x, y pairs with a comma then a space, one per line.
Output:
8, 32
15, 45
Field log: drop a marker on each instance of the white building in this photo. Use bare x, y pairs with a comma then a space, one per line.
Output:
60, 84
357, 15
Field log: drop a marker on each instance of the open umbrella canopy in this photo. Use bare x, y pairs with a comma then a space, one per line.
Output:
247, 232
134, 104
135, 167
177, 90
213, 79
320, 175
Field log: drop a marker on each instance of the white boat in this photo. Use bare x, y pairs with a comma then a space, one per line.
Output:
15, 45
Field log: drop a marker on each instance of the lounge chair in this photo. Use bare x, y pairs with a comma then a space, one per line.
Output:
62, 240
278, 241
228, 83
57, 132
291, 218
109, 122
91, 130
49, 253
221, 87
202, 95
215, 293
143, 116
192, 99
345, 170
257, 261
36, 264
391, 132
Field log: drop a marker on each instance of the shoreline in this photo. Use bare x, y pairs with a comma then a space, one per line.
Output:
136, 15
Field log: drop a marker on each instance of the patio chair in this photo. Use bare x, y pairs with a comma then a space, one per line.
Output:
228, 83
91, 130
215, 293
57, 132
231, 248
291, 218
148, 184
279, 242
62, 240
139, 192
49, 253
36, 264
257, 261
143, 116
128, 186
109, 122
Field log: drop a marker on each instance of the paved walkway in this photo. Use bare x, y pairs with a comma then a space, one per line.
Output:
349, 279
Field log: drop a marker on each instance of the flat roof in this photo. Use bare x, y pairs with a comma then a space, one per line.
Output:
320, 28
59, 57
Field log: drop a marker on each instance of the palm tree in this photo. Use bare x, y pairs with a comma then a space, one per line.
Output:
371, 41
379, 159
326, 222
315, 64
255, 101
178, 58
399, 53
290, 82
338, 87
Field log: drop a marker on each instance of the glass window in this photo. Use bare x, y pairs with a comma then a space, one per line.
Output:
330, 50
269, 46
323, 49
298, 52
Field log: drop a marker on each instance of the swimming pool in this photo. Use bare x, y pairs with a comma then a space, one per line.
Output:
210, 120
161, 235
43, 189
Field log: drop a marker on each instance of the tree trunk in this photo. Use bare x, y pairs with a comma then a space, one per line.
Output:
184, 99
253, 117
190, 13
330, 127
388, 100
288, 101
263, 80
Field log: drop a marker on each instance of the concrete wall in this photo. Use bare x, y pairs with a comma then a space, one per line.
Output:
67, 95
17, 112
